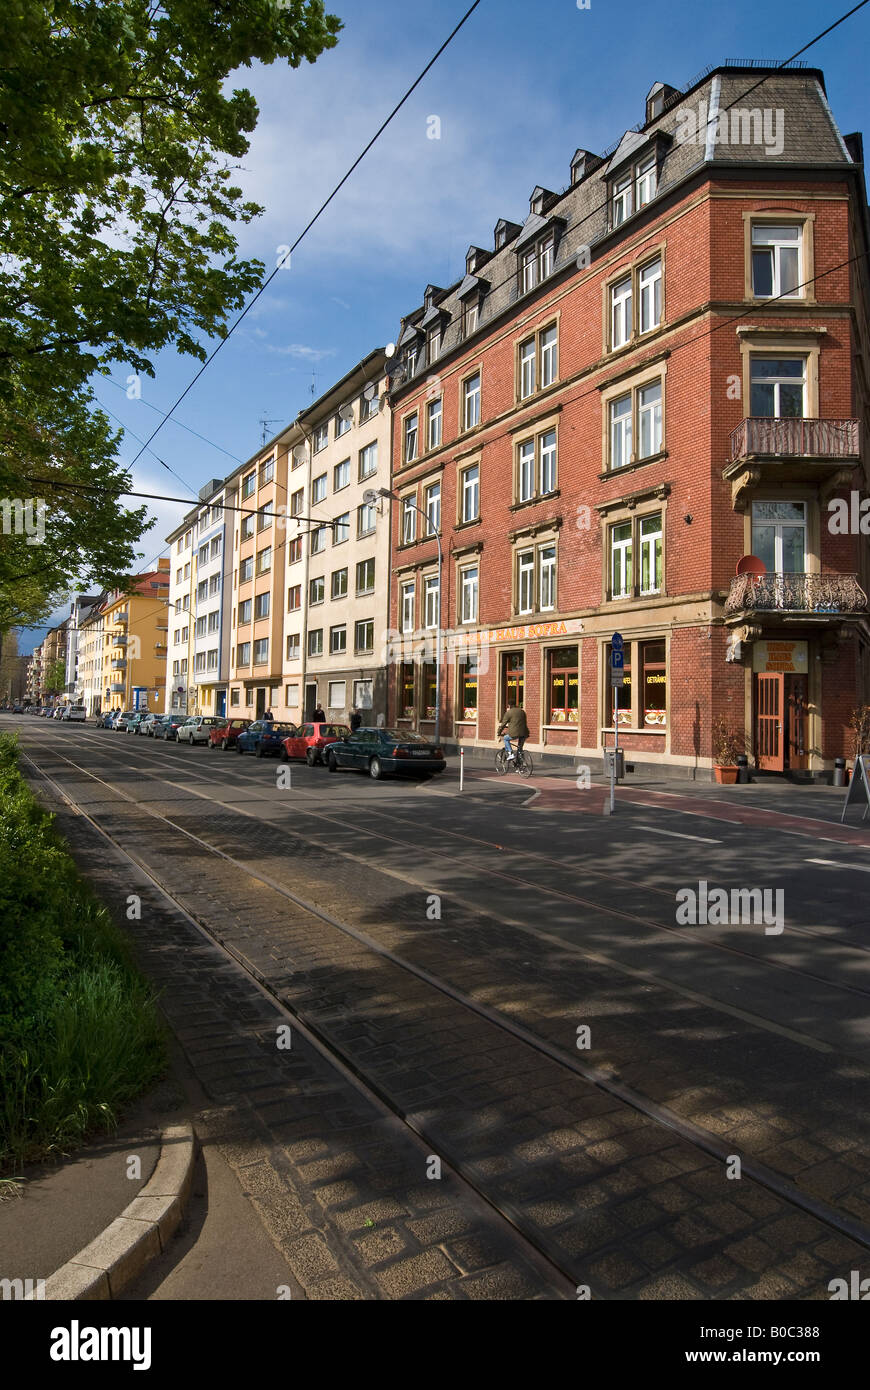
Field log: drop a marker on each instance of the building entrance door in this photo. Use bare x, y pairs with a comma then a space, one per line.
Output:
769, 717
261, 702
796, 720
221, 703
310, 700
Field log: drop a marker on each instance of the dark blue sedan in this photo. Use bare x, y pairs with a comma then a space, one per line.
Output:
264, 738
384, 753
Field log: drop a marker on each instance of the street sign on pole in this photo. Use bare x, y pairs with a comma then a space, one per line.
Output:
617, 675
616, 642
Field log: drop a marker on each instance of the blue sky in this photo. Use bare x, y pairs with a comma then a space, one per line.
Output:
517, 91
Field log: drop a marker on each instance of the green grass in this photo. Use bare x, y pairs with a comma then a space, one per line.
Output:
80, 1034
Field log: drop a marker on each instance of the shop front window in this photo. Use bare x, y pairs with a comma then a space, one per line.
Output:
406, 690
513, 683
564, 686
655, 689
468, 676
429, 689
623, 693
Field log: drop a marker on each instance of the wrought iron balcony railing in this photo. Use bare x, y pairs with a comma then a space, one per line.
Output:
795, 438
796, 593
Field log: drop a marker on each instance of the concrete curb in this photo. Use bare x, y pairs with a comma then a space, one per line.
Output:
142, 1232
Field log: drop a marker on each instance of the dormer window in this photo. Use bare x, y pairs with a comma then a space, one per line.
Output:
633, 188
536, 262
411, 356
500, 238
433, 344
470, 317
504, 232
656, 98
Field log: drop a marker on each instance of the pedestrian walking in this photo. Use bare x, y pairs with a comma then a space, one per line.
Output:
355, 720
269, 716
318, 716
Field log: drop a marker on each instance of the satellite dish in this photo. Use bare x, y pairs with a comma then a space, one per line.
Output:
370, 391
395, 370
300, 453
750, 564
345, 412
390, 349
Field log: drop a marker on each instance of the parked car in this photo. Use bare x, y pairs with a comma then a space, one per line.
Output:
76, 714
226, 733
17, 709
57, 712
120, 724
133, 722
263, 738
310, 740
197, 728
385, 753
146, 725
167, 726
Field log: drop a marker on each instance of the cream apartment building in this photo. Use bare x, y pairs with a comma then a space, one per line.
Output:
181, 691
338, 551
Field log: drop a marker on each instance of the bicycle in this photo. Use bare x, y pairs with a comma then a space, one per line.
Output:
522, 762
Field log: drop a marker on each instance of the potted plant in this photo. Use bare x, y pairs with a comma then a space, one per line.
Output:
725, 749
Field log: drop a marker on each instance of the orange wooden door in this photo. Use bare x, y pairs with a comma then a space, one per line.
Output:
769, 742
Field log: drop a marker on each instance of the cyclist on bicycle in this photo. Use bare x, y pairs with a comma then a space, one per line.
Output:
514, 725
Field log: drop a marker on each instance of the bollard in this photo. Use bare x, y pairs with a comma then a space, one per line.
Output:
839, 772
742, 768
461, 767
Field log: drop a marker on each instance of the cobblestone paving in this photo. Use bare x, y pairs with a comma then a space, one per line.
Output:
619, 1201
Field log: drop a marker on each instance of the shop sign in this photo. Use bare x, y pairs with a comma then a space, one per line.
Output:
780, 656
523, 633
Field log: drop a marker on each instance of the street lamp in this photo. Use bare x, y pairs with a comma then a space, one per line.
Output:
370, 496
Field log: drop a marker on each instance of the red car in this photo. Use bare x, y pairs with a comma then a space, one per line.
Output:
224, 735
310, 740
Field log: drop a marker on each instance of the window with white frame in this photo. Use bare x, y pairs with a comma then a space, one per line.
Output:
338, 639
366, 518
549, 355
318, 489
321, 438
643, 537
471, 402
407, 605
536, 578
338, 584
342, 426
620, 560
266, 516
368, 460
214, 585
470, 317
294, 598
337, 694
202, 591
645, 182
409, 520
526, 581
433, 508
316, 590
297, 502
434, 413
470, 492
620, 312
536, 262
430, 601
315, 642
341, 528
200, 626
433, 344
650, 548
620, 200
202, 555
528, 368
341, 475
364, 636
245, 610
249, 485
365, 576
318, 540
410, 436
214, 547
776, 261
293, 652
212, 662
243, 654
264, 560
778, 387
635, 415
649, 295
214, 621
247, 529
261, 651
267, 472
246, 569
537, 472
468, 594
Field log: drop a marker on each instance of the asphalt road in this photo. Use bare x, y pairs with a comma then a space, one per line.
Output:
514, 971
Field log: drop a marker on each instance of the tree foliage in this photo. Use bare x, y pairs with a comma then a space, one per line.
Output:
119, 133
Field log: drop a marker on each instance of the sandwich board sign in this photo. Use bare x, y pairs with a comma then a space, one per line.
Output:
859, 786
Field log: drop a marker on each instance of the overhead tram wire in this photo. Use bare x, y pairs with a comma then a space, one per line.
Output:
179, 423
396, 109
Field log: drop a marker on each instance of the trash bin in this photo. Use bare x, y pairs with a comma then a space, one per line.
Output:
742, 768
839, 772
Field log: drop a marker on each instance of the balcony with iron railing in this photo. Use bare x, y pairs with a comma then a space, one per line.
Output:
808, 597
782, 451
119, 665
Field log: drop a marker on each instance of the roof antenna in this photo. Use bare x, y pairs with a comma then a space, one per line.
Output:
265, 424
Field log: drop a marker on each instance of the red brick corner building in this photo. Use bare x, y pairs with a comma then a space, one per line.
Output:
632, 415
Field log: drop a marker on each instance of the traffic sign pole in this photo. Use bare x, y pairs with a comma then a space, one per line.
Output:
617, 666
